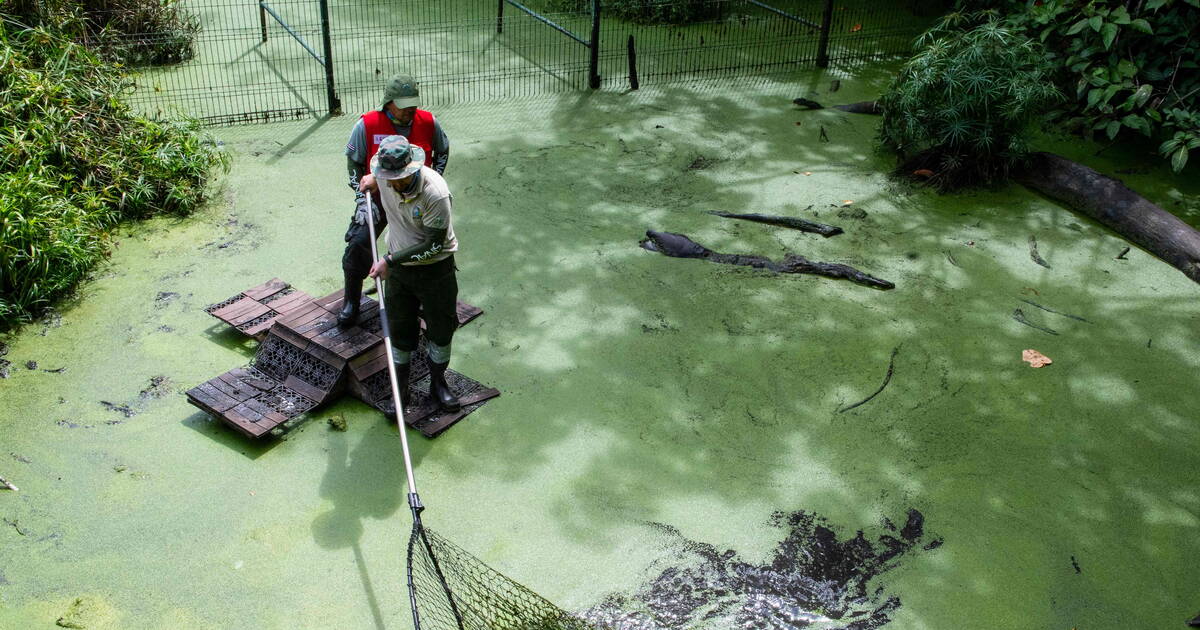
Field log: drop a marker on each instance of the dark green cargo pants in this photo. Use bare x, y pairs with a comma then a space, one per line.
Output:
415, 292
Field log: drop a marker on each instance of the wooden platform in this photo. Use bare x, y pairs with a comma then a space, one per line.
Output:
305, 360
254, 310
249, 400
369, 381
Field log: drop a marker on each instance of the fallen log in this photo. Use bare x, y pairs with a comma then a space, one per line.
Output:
788, 222
1110, 202
680, 246
1106, 200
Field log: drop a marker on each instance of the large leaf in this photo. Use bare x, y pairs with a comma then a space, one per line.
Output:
1096, 22
1141, 25
1179, 159
1142, 95
1109, 33
1078, 26
1133, 121
1112, 129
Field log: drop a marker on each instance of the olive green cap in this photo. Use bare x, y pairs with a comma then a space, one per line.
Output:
401, 90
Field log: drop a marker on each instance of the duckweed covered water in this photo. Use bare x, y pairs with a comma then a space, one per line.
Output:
641, 394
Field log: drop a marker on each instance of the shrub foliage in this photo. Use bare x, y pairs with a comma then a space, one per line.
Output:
1127, 66
132, 32
75, 161
963, 106
1130, 66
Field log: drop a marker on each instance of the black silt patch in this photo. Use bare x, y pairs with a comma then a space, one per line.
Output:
813, 580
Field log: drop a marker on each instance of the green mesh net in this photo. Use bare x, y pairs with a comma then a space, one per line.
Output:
453, 590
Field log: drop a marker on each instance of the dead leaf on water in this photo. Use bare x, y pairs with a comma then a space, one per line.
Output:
847, 202
1035, 359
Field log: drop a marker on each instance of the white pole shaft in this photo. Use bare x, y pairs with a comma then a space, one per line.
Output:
387, 344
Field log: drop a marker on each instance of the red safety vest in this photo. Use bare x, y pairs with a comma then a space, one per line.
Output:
378, 126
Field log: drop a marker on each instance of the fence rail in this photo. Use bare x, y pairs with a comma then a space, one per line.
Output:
245, 67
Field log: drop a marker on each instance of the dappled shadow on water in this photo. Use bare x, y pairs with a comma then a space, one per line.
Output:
699, 383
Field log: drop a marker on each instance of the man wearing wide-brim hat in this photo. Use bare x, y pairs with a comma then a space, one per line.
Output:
419, 263
399, 114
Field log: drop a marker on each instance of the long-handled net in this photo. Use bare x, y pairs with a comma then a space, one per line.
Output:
449, 588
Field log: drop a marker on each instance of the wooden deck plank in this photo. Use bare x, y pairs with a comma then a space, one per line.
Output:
371, 368
248, 378
314, 329
244, 420
234, 309
254, 310
308, 391
260, 328
290, 302
434, 424
240, 388
268, 418
357, 344
290, 336
212, 397
270, 287
326, 356
233, 388
301, 314
325, 301
360, 364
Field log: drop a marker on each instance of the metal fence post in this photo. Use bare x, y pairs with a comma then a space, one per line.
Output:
594, 61
631, 53
823, 43
335, 104
262, 20
500, 17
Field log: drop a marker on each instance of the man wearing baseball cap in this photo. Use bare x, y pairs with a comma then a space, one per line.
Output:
419, 264
397, 115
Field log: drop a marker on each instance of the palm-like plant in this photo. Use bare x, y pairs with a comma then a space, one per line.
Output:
964, 104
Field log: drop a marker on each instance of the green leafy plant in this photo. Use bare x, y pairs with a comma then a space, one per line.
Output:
75, 162
1131, 66
132, 32
964, 105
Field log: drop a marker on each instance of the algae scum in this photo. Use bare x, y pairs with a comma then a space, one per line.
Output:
813, 580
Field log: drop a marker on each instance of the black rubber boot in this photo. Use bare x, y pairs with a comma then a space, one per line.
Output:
439, 390
402, 371
402, 374
353, 293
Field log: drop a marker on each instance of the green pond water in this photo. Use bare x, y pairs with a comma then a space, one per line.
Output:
637, 389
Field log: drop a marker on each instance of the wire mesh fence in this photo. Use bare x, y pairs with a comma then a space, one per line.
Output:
253, 61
